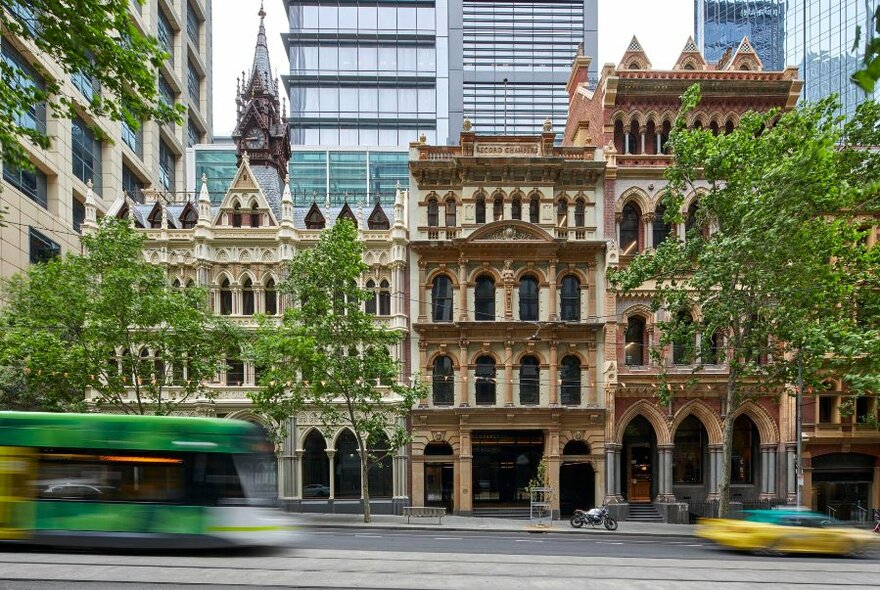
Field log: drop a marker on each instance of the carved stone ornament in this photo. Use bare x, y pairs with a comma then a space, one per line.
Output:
509, 233
438, 436
578, 434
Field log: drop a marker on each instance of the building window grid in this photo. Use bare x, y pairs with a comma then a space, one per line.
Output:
166, 94
41, 248
193, 25
193, 134
25, 78
85, 154
165, 34
133, 139
33, 183
193, 84
167, 163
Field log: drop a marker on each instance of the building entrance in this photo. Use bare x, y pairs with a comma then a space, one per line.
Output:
640, 457
842, 484
439, 481
503, 464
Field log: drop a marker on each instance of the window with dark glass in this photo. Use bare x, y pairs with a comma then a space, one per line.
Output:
271, 298
134, 139
165, 91
236, 215
660, 227
743, 455
347, 466
711, 349
562, 213
225, 298
629, 229
529, 381
315, 467
450, 212
691, 220
33, 183
442, 381
826, 408
132, 185
384, 298
481, 210
255, 216
167, 164
516, 208
570, 381
381, 473
484, 382
41, 248
441, 299
687, 454
484, 299
193, 84
154, 219
24, 78
370, 303
534, 210
192, 25
234, 368
79, 213
188, 217
86, 153
528, 299
498, 209
579, 213
193, 135
86, 84
570, 299
682, 343
165, 34
247, 298
634, 345
433, 213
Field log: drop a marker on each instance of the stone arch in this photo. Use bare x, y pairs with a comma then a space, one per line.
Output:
452, 356
710, 420
498, 192
535, 193
651, 117
639, 309
223, 255
652, 414
638, 117
690, 198
580, 274
490, 353
300, 444
266, 277
452, 195
247, 274
542, 362
535, 272
564, 352
224, 274
635, 195
431, 196
334, 439
767, 428
453, 276
620, 116
244, 255
247, 416
490, 271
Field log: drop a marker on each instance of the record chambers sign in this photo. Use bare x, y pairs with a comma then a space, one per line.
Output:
507, 150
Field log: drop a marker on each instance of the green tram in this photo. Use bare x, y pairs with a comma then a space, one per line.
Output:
104, 480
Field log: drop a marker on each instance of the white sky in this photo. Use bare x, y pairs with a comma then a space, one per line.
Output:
662, 27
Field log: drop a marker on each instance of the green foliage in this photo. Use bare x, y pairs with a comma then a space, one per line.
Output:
98, 40
774, 260
81, 322
867, 77
329, 355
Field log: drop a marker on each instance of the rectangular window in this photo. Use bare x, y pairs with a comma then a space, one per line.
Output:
167, 162
31, 182
826, 408
41, 247
193, 135
192, 25
87, 85
166, 94
86, 154
193, 84
133, 139
23, 77
79, 214
165, 34
131, 185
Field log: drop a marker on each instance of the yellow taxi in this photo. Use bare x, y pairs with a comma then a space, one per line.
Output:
787, 531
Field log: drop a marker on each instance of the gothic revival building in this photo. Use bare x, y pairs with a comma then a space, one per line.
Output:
237, 250
506, 234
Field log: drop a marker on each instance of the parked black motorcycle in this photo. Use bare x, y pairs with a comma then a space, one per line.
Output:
593, 517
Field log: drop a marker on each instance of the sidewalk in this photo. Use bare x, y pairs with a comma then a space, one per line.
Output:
468, 523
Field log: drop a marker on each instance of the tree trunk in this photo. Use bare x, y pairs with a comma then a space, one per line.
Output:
727, 448
365, 482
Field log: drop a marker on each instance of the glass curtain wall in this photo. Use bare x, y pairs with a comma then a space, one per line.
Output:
720, 25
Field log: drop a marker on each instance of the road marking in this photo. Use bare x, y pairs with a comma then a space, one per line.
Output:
369, 536
447, 538
529, 541
609, 542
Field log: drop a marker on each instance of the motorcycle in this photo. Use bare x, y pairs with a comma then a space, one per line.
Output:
593, 517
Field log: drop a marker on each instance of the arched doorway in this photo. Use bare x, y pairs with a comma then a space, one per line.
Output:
347, 467
745, 466
842, 484
577, 481
690, 460
315, 467
439, 475
639, 461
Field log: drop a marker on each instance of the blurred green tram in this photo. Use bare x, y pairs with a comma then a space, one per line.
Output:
104, 480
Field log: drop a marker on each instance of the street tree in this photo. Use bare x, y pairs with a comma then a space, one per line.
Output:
95, 41
774, 257
329, 355
107, 322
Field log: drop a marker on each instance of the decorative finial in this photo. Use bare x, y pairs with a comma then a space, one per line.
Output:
423, 139
245, 157
262, 12
580, 49
548, 125
466, 124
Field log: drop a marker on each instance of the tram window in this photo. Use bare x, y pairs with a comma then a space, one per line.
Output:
215, 479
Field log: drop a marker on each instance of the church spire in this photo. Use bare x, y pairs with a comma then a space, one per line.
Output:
261, 81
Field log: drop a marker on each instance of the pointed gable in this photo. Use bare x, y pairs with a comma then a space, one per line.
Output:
188, 217
745, 58
346, 213
690, 58
378, 219
635, 57
155, 216
314, 218
245, 196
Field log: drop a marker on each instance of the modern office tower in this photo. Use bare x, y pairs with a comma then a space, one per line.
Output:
720, 25
46, 207
819, 40
383, 72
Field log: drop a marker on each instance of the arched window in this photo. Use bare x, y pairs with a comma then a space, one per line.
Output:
619, 141
179, 371
484, 299
660, 227
381, 473
384, 298
682, 344
315, 467
711, 349
189, 218
234, 368
516, 208
155, 217
441, 299
271, 298
688, 452
629, 229
728, 127
534, 209
570, 381
314, 218
579, 209
433, 213
255, 216
744, 453
370, 303
159, 372
562, 213
225, 298
633, 139
175, 284
247, 298
529, 381
347, 466
450, 212
485, 381
480, 210
713, 127
635, 346
664, 136
528, 299
443, 384
236, 215
570, 299
498, 209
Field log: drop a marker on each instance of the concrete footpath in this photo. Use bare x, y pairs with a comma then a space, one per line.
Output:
468, 523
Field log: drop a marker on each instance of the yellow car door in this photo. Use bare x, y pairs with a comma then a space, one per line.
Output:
16, 501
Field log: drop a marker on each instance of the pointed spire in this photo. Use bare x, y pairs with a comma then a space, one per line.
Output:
261, 71
634, 58
634, 45
286, 202
204, 202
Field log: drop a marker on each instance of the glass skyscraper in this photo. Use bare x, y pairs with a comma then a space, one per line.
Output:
720, 25
819, 40
383, 72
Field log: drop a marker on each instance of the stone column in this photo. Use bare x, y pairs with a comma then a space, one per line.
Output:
664, 454
657, 138
288, 470
626, 146
508, 374
643, 140
771, 480
601, 482
259, 300
609, 472
553, 396
236, 300
553, 313
714, 452
591, 289
791, 473
462, 290
423, 282
297, 473
466, 479
764, 471
462, 392
331, 453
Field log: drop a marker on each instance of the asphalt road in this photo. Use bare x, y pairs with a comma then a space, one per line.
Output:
428, 560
